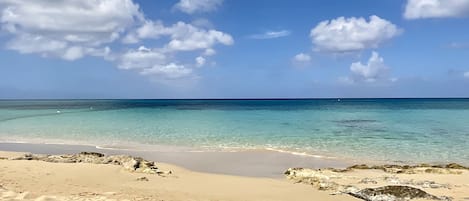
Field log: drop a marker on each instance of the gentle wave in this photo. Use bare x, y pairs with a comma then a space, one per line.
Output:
298, 153
263, 148
159, 148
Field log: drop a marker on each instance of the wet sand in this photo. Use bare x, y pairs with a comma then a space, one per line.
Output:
40, 181
255, 163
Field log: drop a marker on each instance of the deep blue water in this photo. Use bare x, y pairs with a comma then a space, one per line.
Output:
409, 130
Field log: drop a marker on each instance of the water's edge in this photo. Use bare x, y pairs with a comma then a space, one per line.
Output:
251, 163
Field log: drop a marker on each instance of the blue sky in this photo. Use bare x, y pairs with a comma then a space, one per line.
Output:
234, 49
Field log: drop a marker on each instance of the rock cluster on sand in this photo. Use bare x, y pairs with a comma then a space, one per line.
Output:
451, 168
392, 188
129, 163
391, 193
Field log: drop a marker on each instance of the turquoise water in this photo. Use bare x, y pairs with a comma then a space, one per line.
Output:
407, 130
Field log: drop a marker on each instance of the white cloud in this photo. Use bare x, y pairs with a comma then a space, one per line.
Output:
26, 43
71, 30
352, 34
180, 37
374, 70
209, 52
271, 34
66, 29
416, 9
142, 58
186, 37
302, 58
149, 29
183, 36
466, 74
169, 71
73, 53
194, 6
200, 61
153, 62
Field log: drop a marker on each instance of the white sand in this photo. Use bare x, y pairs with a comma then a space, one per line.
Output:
37, 180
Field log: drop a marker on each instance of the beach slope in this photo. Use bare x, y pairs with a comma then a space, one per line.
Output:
39, 180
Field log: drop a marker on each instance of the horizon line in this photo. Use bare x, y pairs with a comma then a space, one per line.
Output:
327, 98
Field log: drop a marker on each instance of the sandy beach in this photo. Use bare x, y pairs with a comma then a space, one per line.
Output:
33, 179
38, 180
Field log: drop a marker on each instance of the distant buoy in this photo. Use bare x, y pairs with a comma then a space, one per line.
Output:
338, 100
58, 111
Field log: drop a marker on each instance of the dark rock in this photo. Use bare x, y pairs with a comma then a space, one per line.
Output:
361, 166
394, 193
455, 166
92, 154
143, 179
409, 169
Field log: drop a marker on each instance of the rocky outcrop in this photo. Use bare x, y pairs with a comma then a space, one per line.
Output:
451, 168
316, 178
394, 193
423, 184
129, 163
327, 179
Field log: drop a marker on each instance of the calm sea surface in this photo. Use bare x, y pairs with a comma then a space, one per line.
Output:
408, 130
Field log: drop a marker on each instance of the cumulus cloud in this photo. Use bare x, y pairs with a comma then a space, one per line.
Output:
153, 62
168, 71
186, 37
373, 71
149, 29
416, 9
183, 36
67, 29
71, 30
352, 34
271, 34
73, 53
142, 58
209, 52
302, 58
194, 6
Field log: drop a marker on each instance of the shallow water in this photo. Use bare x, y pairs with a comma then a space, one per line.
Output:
407, 130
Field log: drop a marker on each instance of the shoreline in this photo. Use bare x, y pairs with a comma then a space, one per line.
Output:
34, 180
138, 146
250, 163
342, 160
95, 176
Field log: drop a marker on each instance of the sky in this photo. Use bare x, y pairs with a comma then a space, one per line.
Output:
233, 49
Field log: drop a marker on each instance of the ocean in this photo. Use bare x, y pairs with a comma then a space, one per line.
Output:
387, 130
